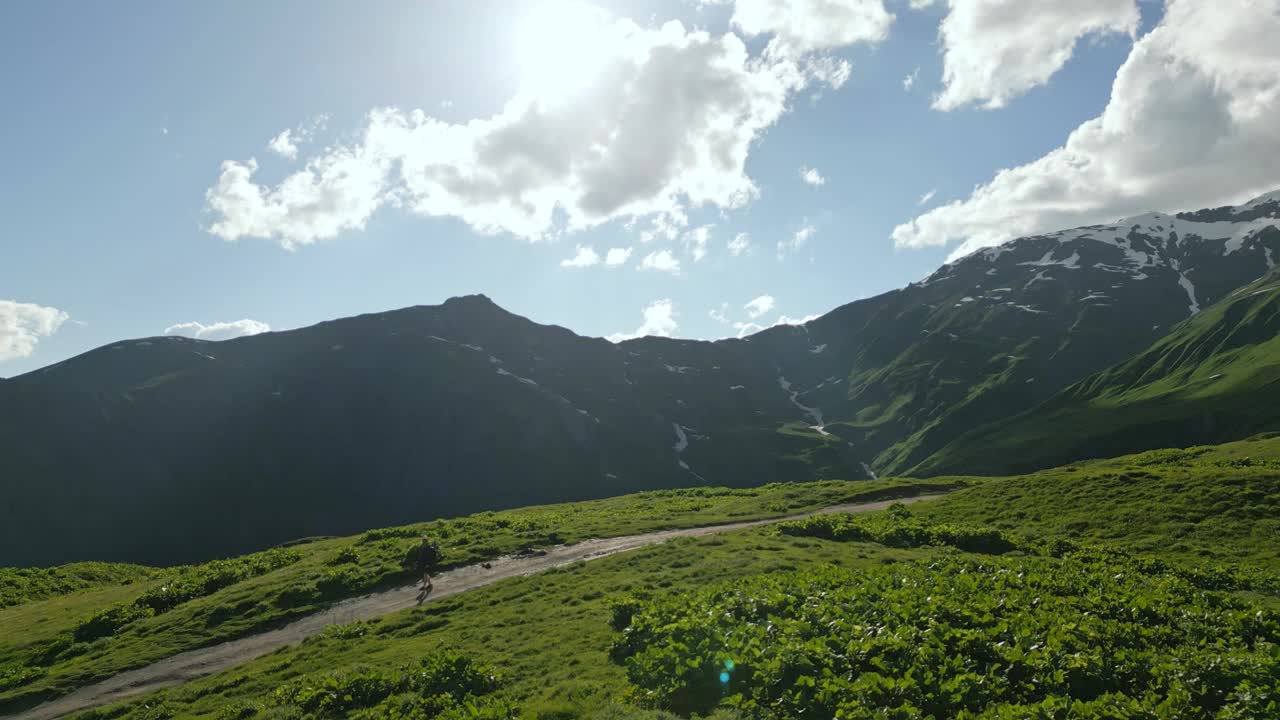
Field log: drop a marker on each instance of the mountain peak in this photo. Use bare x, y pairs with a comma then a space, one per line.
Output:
476, 300
1263, 199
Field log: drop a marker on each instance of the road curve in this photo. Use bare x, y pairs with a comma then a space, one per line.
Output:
180, 668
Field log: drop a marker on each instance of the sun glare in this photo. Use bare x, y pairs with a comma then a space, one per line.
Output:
560, 46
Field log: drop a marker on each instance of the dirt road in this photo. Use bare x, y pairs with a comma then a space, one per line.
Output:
194, 664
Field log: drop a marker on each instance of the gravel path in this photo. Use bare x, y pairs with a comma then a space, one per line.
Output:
193, 664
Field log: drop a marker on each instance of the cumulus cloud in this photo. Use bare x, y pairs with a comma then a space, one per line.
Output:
696, 241
804, 26
921, 4
617, 256
759, 306
1191, 123
286, 143
583, 257
283, 145
662, 261
995, 50
218, 330
664, 122
797, 239
739, 244
659, 319
812, 176
22, 325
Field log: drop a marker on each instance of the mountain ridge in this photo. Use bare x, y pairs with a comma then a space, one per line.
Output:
445, 409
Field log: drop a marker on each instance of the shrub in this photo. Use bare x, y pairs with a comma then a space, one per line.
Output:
15, 675
898, 528
348, 556
959, 638
334, 583
189, 583
440, 685
107, 622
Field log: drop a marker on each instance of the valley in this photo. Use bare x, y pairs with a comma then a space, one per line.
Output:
548, 636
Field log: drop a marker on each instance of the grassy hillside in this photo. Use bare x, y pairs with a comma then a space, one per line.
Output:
1145, 586
22, 585
1215, 378
1197, 505
48, 647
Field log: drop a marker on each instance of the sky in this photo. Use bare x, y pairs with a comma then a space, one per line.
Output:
682, 168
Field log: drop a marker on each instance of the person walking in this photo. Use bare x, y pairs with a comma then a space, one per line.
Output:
428, 556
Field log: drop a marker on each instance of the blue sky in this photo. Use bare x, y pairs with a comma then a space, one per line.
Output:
120, 118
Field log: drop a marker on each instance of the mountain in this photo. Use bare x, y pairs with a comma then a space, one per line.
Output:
1005, 328
170, 449
166, 450
1214, 378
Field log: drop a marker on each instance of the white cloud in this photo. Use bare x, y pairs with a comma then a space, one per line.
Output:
909, 81
696, 241
759, 306
617, 256
661, 260
1191, 123
335, 192
925, 198
22, 325
583, 257
218, 330
659, 319
995, 50
797, 240
921, 4
720, 314
663, 123
803, 26
812, 176
739, 244
283, 145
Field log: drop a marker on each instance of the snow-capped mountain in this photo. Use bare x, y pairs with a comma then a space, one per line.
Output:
128, 451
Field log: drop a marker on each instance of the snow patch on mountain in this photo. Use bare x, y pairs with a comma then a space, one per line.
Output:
525, 380
682, 440
477, 348
1185, 282
1027, 308
794, 395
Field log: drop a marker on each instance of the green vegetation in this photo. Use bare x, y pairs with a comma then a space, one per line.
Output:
442, 685
49, 647
1145, 587
958, 638
1214, 379
898, 528
548, 635
22, 585
188, 584
1200, 505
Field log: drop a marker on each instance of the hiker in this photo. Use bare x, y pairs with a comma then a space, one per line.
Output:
428, 556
